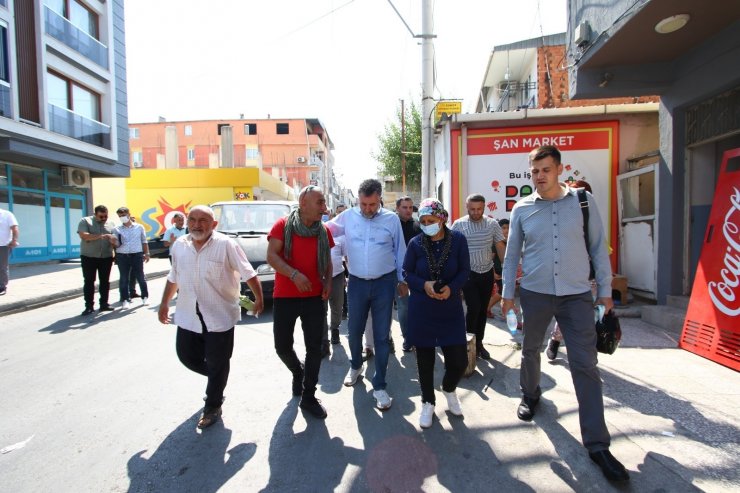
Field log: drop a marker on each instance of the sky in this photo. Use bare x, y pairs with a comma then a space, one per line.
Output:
346, 62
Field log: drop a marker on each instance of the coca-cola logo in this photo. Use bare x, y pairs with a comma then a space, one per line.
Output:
724, 293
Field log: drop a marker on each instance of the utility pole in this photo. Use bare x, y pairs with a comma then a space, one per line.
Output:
427, 103
403, 147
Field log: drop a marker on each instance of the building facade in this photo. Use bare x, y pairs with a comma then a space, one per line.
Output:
685, 51
296, 151
523, 102
63, 116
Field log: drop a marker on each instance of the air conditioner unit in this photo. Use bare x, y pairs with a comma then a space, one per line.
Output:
73, 177
301, 159
137, 164
511, 85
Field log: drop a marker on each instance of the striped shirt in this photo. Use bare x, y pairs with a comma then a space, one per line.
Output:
210, 278
548, 237
481, 236
131, 239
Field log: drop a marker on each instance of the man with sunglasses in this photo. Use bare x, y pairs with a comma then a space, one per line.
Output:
96, 255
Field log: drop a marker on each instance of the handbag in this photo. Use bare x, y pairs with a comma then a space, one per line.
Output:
608, 330
608, 333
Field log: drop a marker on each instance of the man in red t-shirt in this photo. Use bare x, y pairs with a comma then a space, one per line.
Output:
299, 251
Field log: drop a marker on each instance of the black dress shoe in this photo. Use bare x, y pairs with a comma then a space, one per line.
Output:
298, 382
106, 308
612, 469
483, 354
552, 349
135, 295
313, 406
88, 311
525, 411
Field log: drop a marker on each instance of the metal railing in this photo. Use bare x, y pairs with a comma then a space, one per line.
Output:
69, 123
516, 96
60, 28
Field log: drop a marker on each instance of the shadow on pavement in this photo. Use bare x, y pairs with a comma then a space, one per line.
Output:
189, 461
79, 322
309, 460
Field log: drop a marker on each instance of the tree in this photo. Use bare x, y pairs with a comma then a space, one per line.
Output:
389, 145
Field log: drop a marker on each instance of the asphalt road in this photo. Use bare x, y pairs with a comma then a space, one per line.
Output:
103, 404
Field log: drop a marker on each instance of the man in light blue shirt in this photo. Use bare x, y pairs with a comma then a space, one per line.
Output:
375, 249
546, 232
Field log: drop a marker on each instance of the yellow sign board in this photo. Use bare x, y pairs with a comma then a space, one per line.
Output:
448, 107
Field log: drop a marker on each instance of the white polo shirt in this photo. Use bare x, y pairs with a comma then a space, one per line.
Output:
7, 221
209, 277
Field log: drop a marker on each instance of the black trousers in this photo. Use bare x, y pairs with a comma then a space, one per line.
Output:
311, 312
477, 293
92, 267
456, 360
209, 354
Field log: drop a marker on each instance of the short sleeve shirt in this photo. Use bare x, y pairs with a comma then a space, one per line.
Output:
95, 248
305, 259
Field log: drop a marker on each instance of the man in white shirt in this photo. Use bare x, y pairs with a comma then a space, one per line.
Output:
132, 251
375, 249
482, 233
206, 268
336, 298
8, 240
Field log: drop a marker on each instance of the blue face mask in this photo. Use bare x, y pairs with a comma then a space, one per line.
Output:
431, 229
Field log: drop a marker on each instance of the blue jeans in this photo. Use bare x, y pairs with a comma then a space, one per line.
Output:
402, 305
374, 296
131, 265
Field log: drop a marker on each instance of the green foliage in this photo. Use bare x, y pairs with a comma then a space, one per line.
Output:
389, 148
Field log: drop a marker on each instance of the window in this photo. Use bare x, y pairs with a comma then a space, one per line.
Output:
78, 14
250, 129
282, 128
222, 125
188, 130
4, 71
133, 133
70, 95
191, 154
252, 153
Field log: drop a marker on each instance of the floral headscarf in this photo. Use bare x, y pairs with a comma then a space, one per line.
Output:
433, 207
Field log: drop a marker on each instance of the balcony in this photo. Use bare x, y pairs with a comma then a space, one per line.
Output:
60, 28
5, 109
515, 96
65, 122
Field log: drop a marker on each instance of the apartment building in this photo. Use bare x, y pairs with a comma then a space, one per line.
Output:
63, 116
298, 151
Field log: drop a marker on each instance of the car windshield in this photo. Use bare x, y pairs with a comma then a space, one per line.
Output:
249, 216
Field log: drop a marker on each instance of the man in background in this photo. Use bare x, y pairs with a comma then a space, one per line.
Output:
8, 240
96, 256
410, 227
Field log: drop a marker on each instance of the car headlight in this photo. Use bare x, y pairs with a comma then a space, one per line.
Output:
265, 269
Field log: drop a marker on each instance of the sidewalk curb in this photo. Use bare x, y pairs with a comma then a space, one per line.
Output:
40, 301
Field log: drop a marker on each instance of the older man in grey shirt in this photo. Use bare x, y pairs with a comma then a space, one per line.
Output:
546, 232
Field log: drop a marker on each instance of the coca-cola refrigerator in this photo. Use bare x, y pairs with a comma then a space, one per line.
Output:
712, 326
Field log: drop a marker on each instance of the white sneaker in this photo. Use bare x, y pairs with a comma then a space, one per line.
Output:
125, 305
353, 376
383, 400
427, 415
453, 403
144, 301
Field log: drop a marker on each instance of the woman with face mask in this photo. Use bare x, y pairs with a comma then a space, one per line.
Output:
436, 266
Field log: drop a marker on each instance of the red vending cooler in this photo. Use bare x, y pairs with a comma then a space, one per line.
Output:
712, 326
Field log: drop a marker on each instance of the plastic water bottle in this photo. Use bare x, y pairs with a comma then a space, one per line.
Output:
511, 321
599, 311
